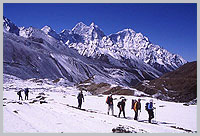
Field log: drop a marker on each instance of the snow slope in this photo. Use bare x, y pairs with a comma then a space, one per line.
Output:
59, 114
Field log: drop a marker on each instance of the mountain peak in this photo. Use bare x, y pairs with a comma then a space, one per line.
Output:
79, 27
10, 26
5, 19
65, 31
46, 29
92, 24
127, 30
80, 24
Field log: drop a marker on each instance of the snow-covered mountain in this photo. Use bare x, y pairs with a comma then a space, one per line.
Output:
48, 30
125, 44
124, 58
9, 26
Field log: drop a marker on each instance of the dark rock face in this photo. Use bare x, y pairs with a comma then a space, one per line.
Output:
9, 26
179, 85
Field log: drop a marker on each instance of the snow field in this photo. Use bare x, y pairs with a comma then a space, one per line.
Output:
56, 116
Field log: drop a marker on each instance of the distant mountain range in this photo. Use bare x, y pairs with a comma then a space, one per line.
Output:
124, 58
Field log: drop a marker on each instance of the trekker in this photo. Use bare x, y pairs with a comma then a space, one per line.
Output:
109, 101
150, 109
121, 106
136, 108
26, 91
20, 94
80, 97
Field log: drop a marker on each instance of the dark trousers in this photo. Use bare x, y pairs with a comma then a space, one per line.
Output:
110, 107
151, 115
26, 97
136, 115
20, 97
121, 111
79, 103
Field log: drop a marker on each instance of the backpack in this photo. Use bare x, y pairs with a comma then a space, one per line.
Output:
79, 96
26, 90
118, 104
132, 105
107, 100
135, 106
17, 93
146, 106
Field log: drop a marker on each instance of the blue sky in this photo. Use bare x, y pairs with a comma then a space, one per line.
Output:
172, 26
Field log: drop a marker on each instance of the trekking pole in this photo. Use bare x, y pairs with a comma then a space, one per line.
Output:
155, 114
139, 115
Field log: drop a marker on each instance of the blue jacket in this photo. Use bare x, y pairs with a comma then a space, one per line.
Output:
150, 106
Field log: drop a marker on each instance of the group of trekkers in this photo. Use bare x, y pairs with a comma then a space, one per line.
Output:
136, 106
26, 91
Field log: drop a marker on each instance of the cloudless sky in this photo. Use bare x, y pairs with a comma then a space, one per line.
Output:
171, 26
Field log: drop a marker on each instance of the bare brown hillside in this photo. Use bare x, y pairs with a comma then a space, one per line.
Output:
179, 85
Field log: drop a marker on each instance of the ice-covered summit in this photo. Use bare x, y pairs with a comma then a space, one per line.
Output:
90, 32
48, 30
10, 26
125, 44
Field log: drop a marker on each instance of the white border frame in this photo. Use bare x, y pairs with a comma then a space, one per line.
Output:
92, 1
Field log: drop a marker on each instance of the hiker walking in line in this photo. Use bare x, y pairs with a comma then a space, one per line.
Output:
80, 97
149, 107
20, 94
26, 91
121, 106
136, 108
109, 101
